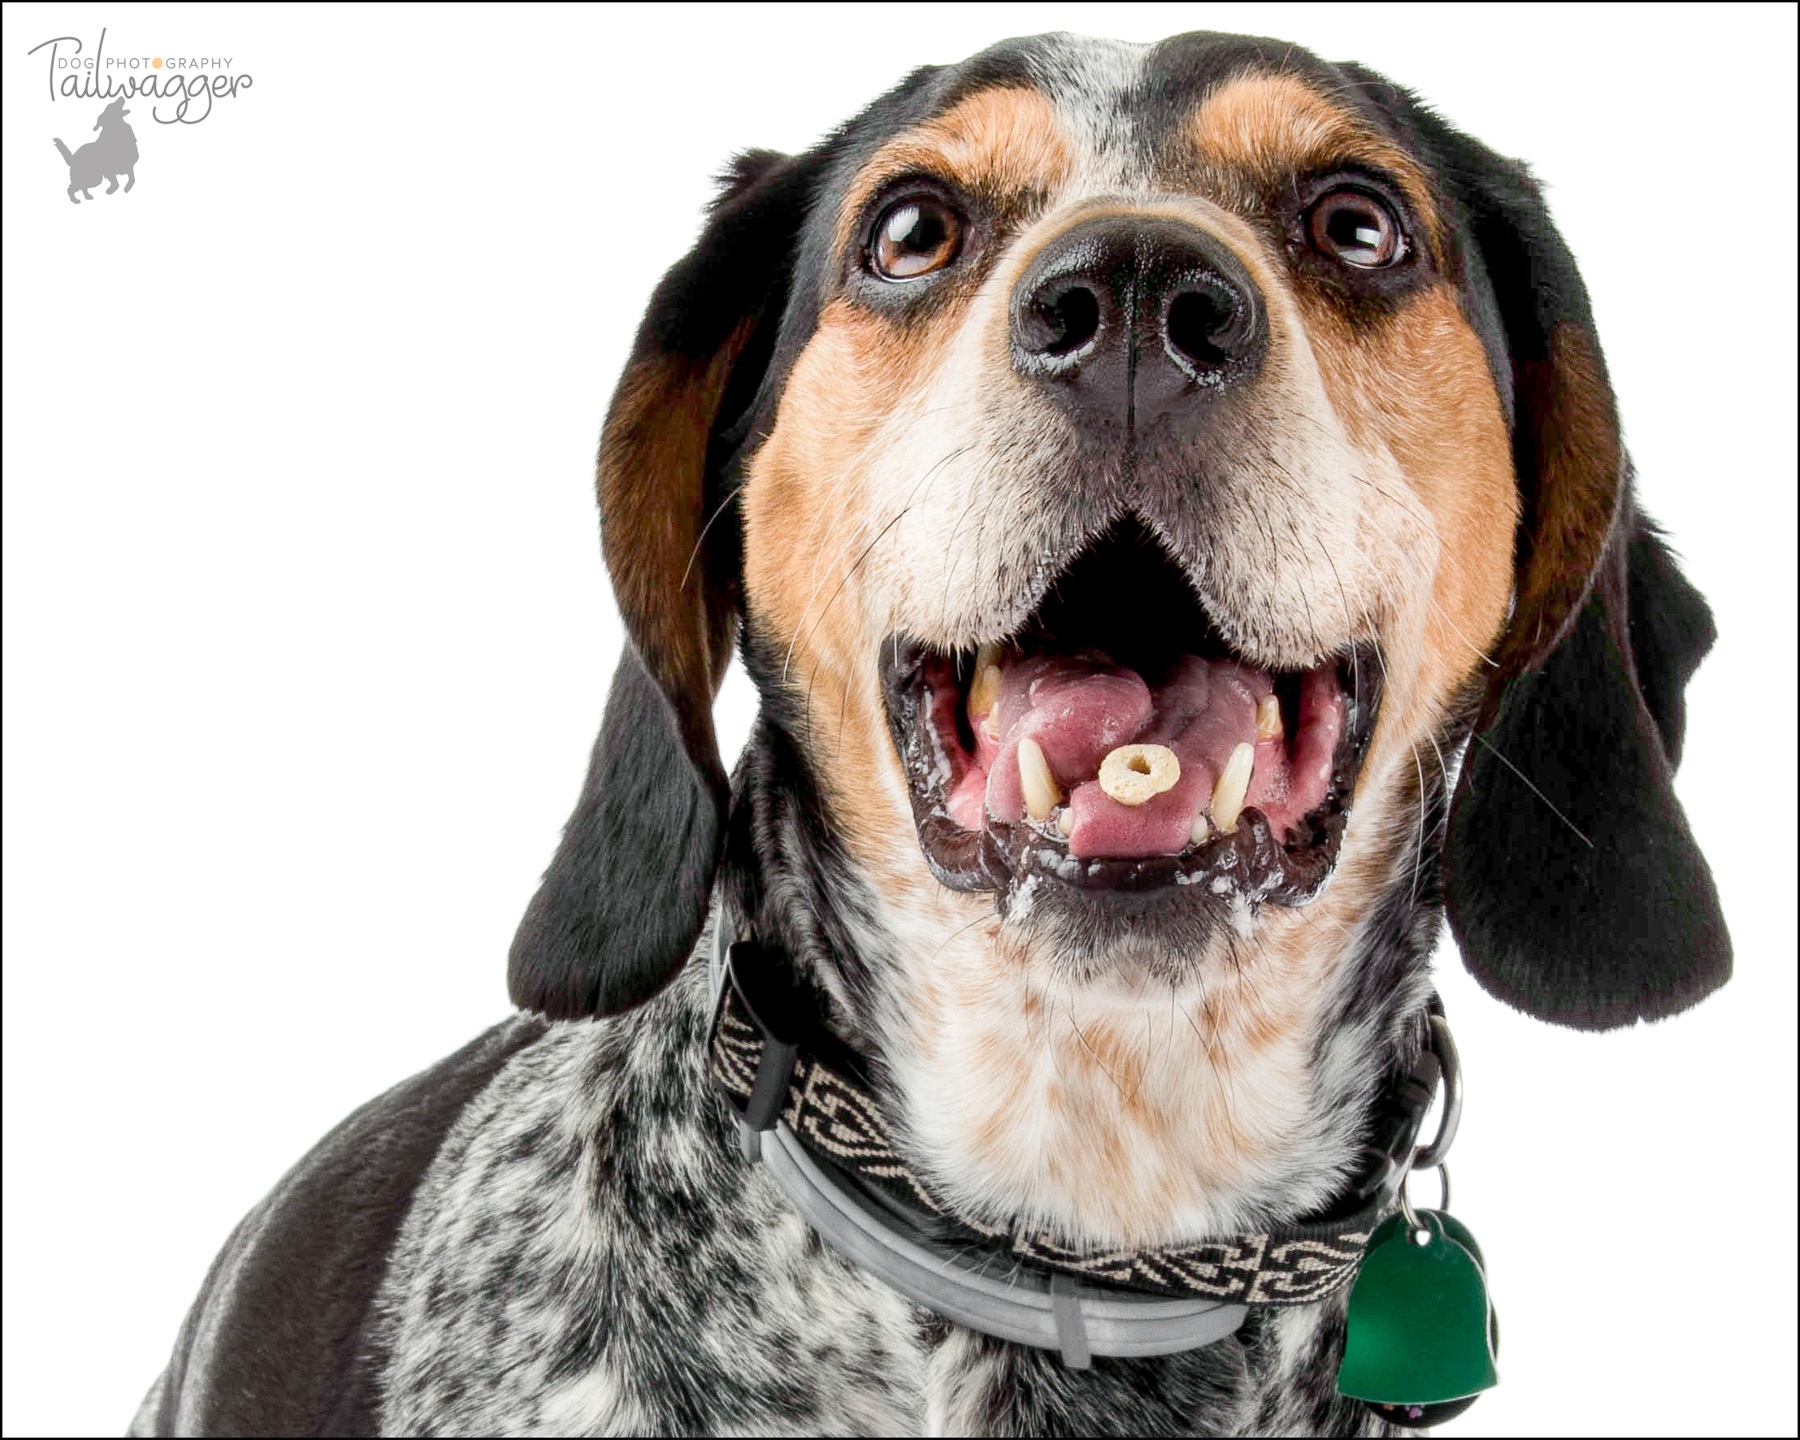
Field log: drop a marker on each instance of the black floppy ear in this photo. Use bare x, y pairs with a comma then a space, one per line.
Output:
1573, 884
626, 895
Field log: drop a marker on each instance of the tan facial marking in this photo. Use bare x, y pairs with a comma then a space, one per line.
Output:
994, 142
1273, 127
1417, 387
810, 518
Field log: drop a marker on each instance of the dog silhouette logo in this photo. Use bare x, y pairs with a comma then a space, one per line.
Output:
114, 154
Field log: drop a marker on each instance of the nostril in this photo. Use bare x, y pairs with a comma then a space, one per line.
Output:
1077, 314
1202, 328
1060, 323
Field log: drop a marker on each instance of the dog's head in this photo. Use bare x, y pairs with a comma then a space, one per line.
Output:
1204, 400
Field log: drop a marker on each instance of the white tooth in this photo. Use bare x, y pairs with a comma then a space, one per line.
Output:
1065, 822
1200, 831
1268, 718
1233, 783
990, 724
1042, 794
984, 691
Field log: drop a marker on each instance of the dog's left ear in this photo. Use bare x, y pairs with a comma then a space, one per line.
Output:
1574, 887
626, 895
1573, 884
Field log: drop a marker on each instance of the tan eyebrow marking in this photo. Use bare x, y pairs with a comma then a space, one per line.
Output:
1275, 125
1001, 141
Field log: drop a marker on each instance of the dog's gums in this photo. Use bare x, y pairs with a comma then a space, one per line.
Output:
1116, 743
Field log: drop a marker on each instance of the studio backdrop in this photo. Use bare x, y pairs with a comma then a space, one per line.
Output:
307, 632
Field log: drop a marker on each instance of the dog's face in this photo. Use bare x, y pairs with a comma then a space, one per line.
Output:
1134, 469
1141, 406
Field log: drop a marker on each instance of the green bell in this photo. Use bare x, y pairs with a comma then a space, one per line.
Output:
1418, 1326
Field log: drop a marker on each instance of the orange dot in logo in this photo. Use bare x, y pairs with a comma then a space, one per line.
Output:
157, 62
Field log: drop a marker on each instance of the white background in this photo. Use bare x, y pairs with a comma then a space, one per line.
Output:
306, 633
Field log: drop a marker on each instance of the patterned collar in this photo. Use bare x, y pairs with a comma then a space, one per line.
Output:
806, 1111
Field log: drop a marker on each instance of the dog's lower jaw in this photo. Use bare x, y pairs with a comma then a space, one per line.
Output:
1138, 1110
1125, 1109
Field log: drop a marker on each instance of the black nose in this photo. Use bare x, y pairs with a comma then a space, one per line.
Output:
1136, 327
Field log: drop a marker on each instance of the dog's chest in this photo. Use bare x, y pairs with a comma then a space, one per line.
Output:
587, 1255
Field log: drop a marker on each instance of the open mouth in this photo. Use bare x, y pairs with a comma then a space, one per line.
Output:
1115, 743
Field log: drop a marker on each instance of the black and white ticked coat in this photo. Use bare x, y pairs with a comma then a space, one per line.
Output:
587, 1253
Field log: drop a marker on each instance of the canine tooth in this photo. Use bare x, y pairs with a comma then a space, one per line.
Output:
1065, 822
988, 655
1042, 793
990, 724
1268, 718
1133, 774
1233, 784
984, 692
1200, 831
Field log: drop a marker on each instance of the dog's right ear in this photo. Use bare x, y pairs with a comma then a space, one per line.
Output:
626, 895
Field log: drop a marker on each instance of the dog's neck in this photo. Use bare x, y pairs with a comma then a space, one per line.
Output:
1119, 1108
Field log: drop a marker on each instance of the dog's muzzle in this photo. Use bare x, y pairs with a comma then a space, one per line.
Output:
1116, 747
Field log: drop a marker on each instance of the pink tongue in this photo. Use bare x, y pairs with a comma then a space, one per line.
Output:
1080, 708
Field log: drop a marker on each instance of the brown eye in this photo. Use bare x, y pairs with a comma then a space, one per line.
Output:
1356, 228
914, 238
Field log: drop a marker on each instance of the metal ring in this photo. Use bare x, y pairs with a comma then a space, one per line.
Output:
1427, 1157
1412, 1216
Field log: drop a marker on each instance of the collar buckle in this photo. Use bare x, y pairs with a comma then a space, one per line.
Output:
759, 987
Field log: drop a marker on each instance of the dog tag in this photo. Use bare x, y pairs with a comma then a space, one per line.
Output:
1420, 1331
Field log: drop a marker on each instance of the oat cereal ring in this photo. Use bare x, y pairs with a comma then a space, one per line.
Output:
1133, 774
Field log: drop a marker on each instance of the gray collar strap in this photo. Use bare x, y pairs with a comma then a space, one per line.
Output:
806, 1111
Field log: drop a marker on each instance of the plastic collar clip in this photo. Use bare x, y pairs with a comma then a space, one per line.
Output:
781, 1049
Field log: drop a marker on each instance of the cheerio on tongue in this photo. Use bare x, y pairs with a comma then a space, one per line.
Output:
1070, 712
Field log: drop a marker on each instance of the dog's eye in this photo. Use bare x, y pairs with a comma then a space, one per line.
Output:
915, 237
1356, 228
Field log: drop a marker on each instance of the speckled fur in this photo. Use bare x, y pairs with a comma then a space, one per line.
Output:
589, 1255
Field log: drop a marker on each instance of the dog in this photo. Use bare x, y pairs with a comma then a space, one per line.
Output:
114, 154
1171, 503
